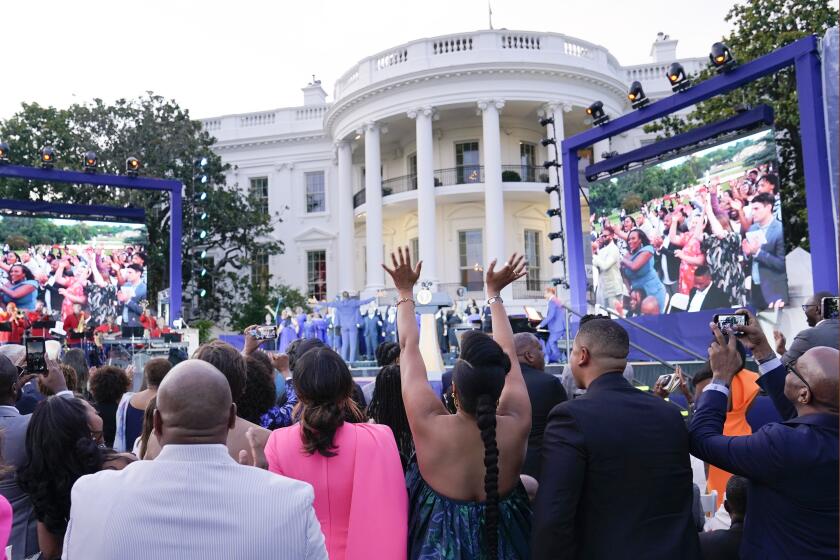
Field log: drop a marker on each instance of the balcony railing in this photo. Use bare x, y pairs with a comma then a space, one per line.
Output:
529, 288
461, 175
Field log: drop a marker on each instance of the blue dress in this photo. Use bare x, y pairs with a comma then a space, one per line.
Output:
440, 528
309, 330
646, 277
287, 335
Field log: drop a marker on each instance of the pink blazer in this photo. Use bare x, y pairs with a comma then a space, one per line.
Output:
360, 494
5, 525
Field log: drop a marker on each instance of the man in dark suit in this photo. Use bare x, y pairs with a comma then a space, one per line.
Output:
822, 332
765, 243
791, 465
705, 294
545, 392
666, 263
616, 475
724, 545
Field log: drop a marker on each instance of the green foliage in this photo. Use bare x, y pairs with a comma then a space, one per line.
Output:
168, 142
41, 231
257, 302
761, 26
204, 326
632, 203
510, 176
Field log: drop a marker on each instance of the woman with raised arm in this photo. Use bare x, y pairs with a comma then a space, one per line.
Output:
465, 496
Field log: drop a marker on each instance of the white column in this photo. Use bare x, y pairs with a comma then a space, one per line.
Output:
373, 205
346, 219
555, 111
426, 217
494, 201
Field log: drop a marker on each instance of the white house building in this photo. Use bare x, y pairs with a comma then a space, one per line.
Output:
434, 144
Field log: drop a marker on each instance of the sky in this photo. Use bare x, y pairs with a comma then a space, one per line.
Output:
216, 58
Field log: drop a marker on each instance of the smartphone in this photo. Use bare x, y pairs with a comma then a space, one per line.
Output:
36, 350
669, 382
264, 332
830, 307
726, 322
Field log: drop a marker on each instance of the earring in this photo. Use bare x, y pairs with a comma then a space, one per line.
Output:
455, 398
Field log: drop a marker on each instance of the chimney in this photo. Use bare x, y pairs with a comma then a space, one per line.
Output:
664, 49
314, 94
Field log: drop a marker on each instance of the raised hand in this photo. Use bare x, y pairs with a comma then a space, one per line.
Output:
403, 274
752, 337
496, 280
723, 356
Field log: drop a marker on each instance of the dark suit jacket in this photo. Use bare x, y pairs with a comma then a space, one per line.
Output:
715, 299
672, 262
545, 392
771, 263
722, 545
616, 478
792, 467
24, 539
826, 333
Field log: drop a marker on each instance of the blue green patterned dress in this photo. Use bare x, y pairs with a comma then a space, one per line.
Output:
440, 528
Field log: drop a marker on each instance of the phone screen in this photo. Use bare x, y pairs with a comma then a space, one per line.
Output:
830, 307
726, 322
35, 347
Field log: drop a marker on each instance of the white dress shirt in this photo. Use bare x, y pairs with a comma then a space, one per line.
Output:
698, 299
193, 502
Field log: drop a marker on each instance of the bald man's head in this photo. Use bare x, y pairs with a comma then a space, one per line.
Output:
819, 368
194, 405
529, 350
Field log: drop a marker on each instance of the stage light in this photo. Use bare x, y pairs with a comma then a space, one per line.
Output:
637, 96
677, 77
201, 196
721, 57
559, 282
596, 111
202, 162
89, 162
4, 153
203, 179
201, 234
552, 163
202, 216
548, 141
555, 235
551, 212
132, 166
203, 255
552, 188
47, 156
203, 272
545, 121
202, 292
555, 258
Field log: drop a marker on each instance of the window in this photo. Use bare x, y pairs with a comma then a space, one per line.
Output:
527, 161
316, 274
259, 270
533, 253
412, 170
467, 165
316, 200
259, 191
471, 255
414, 247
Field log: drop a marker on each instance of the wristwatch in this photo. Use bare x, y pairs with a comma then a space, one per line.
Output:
494, 299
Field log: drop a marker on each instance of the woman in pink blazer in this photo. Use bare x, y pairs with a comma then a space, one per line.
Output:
360, 493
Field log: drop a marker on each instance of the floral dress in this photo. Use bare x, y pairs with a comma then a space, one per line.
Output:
441, 528
102, 303
722, 257
691, 246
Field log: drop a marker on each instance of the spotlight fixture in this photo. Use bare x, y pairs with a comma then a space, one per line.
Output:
132, 166
548, 141
552, 163
202, 162
203, 272
47, 157
608, 155
677, 77
637, 96
555, 258
559, 282
596, 111
89, 162
201, 234
202, 216
721, 57
545, 121
4, 153
203, 254
200, 196
552, 188
551, 212
555, 235
202, 292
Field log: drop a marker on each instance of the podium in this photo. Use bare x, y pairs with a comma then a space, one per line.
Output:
427, 303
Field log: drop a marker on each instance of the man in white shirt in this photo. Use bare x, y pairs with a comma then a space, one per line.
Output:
193, 501
705, 294
605, 258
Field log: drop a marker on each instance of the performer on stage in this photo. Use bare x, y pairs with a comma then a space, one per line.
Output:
320, 326
36, 316
131, 294
288, 330
555, 322
347, 313
372, 323
75, 325
16, 318
301, 319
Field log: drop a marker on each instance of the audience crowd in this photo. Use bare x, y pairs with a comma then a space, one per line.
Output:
254, 454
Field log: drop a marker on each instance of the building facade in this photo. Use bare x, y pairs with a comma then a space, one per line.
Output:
434, 144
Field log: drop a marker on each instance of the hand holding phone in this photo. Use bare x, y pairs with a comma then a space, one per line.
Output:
727, 322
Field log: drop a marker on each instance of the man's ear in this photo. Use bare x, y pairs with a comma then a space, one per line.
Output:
157, 424
232, 418
585, 356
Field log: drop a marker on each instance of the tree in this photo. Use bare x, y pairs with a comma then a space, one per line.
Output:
165, 139
257, 301
761, 26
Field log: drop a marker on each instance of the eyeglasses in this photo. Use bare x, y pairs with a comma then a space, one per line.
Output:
806, 306
792, 369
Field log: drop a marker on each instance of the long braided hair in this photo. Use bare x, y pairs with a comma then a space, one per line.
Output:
387, 407
479, 377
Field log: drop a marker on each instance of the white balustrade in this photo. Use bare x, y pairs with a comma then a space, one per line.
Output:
452, 44
393, 58
257, 119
